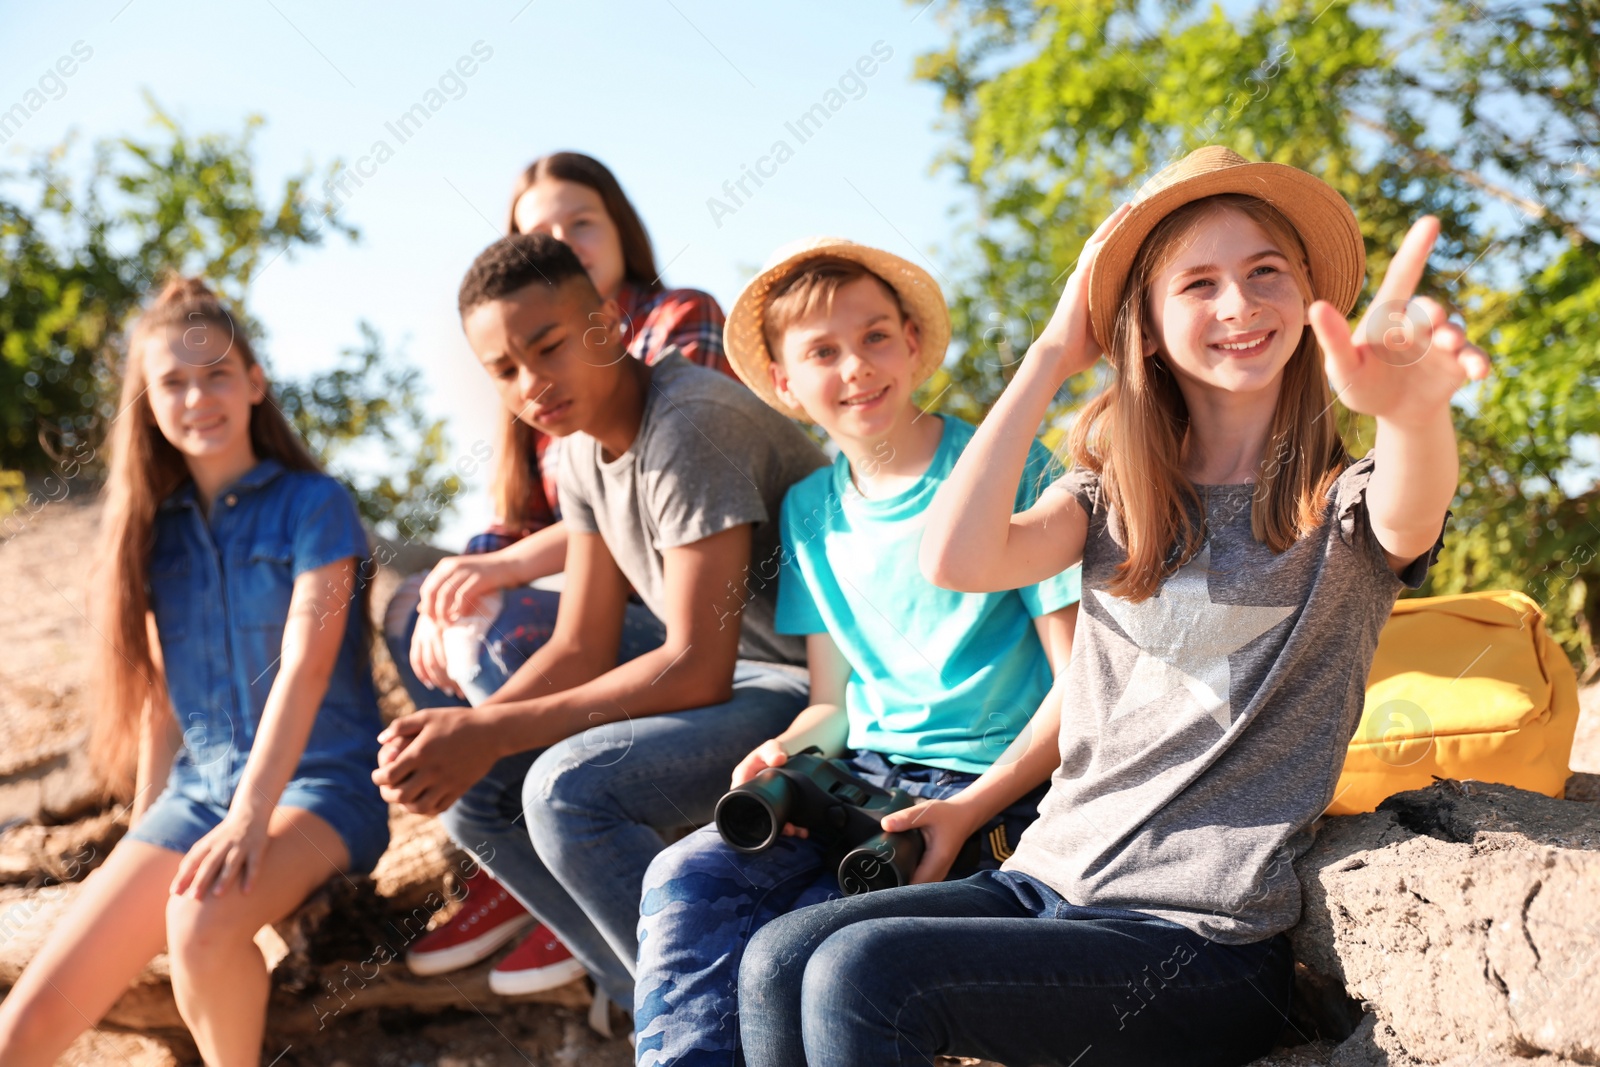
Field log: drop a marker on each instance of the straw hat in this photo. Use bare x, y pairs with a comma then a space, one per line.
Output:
746, 342
1320, 215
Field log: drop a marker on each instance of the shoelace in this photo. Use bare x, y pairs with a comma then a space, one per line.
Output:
472, 920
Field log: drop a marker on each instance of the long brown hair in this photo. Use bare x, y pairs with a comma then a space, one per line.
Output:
1132, 434
516, 481
638, 257
145, 469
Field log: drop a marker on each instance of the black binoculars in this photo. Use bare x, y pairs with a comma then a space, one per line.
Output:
836, 808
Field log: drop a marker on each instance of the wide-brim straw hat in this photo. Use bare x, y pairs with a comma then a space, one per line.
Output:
744, 337
1326, 225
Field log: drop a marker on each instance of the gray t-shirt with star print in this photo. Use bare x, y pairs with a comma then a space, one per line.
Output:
1204, 729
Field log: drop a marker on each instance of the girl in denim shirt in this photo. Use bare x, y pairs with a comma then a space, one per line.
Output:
234, 694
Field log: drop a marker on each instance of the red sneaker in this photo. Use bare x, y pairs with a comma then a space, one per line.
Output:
541, 962
489, 917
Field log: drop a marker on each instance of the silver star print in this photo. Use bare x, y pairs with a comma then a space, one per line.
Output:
1185, 639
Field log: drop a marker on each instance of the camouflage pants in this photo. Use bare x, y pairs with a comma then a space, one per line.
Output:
703, 901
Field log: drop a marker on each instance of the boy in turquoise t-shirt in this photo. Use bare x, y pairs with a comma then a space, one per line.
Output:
918, 688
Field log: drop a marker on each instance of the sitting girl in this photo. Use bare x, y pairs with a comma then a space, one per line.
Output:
1237, 569
235, 693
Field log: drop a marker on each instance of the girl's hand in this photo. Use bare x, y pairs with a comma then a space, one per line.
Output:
945, 828
452, 589
233, 849
428, 656
1067, 343
1405, 359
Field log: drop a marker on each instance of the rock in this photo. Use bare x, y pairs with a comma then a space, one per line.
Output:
338, 956
35, 855
94, 1048
52, 783
1463, 916
1313, 1055
1584, 788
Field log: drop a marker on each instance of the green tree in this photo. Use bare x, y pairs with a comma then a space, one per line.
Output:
78, 257
364, 409
1485, 116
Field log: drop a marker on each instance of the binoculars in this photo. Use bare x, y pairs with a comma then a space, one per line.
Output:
839, 810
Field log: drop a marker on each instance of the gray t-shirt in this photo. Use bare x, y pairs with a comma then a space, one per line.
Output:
1204, 729
709, 456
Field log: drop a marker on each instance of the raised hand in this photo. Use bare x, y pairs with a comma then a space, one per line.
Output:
1067, 341
1405, 358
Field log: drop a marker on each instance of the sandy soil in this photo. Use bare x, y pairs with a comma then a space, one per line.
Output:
43, 577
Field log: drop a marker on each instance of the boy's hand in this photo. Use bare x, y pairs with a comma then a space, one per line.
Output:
452, 589
232, 849
767, 754
1067, 343
429, 758
945, 828
1405, 359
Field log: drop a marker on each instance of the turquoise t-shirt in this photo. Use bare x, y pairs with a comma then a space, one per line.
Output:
941, 678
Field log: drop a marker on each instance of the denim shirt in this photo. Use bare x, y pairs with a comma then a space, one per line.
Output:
220, 591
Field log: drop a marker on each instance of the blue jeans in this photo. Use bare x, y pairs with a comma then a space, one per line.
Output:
1000, 967
570, 829
703, 900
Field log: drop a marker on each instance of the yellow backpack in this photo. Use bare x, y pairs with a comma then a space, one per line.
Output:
1467, 686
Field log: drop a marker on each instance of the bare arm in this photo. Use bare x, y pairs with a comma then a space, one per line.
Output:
1401, 365
312, 636
583, 644
823, 724
973, 542
536, 556
692, 668
1411, 489
433, 756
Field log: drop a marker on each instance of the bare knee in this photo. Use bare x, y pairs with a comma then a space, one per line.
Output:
203, 934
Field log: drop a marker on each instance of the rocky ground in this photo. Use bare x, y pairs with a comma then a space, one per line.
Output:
1457, 925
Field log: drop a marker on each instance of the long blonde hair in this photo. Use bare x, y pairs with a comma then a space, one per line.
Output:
145, 469
1132, 434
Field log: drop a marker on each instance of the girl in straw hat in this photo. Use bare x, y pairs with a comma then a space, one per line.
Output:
1237, 568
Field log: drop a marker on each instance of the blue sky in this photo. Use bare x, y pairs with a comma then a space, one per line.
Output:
678, 97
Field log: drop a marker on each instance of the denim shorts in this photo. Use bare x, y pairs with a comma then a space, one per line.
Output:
187, 810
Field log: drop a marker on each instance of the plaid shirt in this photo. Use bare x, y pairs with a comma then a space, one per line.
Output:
651, 323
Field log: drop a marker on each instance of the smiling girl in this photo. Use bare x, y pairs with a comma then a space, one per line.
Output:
234, 693
1237, 568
